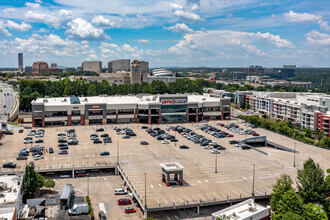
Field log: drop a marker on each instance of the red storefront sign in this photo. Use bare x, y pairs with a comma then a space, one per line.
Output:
167, 101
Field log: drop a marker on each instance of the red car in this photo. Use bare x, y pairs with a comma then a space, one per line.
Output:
255, 134
124, 202
230, 135
130, 210
221, 125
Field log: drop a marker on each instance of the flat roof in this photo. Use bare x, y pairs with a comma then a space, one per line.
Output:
242, 210
143, 99
12, 182
172, 166
66, 192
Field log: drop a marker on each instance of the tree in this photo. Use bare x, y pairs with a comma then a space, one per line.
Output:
31, 181
314, 212
49, 183
290, 202
68, 91
291, 216
310, 183
282, 185
91, 90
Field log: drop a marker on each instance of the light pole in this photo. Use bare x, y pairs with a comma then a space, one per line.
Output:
254, 167
175, 138
294, 155
117, 152
216, 162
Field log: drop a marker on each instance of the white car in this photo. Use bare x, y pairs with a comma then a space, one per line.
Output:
121, 132
120, 192
165, 142
242, 133
29, 141
39, 135
208, 147
215, 152
38, 157
239, 145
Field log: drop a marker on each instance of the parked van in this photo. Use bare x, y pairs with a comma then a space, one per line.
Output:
120, 191
79, 209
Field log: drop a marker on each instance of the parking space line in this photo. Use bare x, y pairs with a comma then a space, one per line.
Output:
165, 200
201, 196
216, 196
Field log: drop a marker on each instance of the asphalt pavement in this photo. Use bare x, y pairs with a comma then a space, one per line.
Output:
7, 102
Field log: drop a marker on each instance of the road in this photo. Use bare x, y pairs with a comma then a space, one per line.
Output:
7, 102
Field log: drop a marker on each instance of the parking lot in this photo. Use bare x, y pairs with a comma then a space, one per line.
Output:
201, 184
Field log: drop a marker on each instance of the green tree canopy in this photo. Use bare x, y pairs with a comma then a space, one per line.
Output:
283, 184
314, 212
310, 183
290, 202
31, 181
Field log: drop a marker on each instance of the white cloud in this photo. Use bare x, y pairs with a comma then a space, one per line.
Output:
81, 29
324, 25
186, 15
20, 27
180, 28
295, 17
32, 5
176, 6
38, 1
42, 18
3, 30
317, 38
275, 40
101, 21
143, 41
42, 30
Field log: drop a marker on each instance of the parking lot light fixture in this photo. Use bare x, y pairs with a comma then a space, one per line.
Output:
254, 168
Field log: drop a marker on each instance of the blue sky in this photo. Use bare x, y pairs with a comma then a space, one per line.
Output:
214, 33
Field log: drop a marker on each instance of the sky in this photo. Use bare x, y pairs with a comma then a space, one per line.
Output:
167, 33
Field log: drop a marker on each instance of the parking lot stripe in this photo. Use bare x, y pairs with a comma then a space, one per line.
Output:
202, 197
216, 196
165, 200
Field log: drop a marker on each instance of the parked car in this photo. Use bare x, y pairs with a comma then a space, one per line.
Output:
104, 135
62, 141
255, 134
129, 210
20, 131
29, 141
107, 140
246, 147
38, 157
126, 137
51, 150
165, 142
99, 130
208, 147
105, 153
144, 143
215, 152
144, 127
63, 152
120, 191
174, 140
184, 147
21, 157
102, 216
39, 141
97, 141
9, 165
73, 142
9, 133
80, 173
66, 147
124, 201
233, 142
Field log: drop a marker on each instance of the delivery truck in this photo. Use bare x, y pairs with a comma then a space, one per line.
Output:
79, 209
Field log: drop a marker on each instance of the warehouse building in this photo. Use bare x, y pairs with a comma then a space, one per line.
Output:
147, 109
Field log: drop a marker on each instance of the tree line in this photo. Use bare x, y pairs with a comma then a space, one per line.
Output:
287, 128
32, 89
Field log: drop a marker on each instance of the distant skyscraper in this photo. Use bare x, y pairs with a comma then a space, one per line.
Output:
118, 65
40, 68
20, 62
95, 66
287, 71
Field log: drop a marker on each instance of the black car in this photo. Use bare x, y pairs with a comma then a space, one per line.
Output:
97, 142
144, 127
9, 133
107, 140
246, 147
62, 145
174, 140
104, 135
184, 147
99, 130
71, 131
233, 142
144, 143
24, 154
63, 152
131, 134
64, 148
39, 141
51, 150
9, 165
73, 142
62, 141
21, 157
105, 153
28, 138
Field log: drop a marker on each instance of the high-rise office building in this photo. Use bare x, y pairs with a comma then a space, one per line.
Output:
40, 68
144, 67
28, 69
287, 71
53, 65
20, 62
95, 66
118, 65
135, 72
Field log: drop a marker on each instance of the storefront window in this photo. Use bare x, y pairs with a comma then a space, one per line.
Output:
173, 109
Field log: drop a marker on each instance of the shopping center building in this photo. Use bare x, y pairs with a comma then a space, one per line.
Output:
149, 109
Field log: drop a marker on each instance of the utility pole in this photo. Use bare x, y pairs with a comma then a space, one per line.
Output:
254, 167
216, 163
294, 155
117, 152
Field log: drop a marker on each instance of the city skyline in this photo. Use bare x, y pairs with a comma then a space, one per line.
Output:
184, 33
